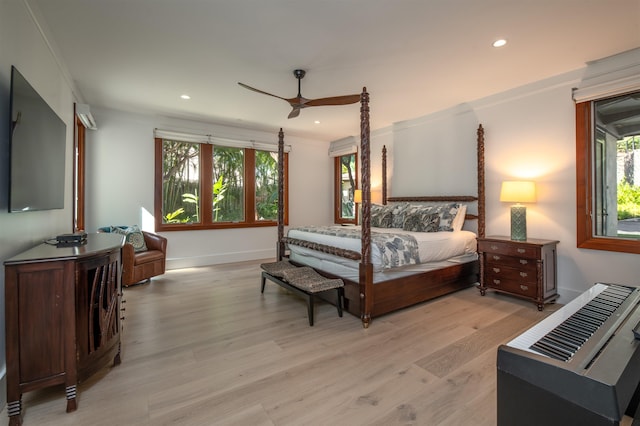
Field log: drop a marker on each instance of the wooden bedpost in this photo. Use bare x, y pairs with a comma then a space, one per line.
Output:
280, 243
366, 268
481, 198
384, 175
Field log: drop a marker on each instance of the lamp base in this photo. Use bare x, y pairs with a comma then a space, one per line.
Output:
518, 223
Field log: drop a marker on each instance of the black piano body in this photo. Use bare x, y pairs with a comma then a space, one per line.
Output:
596, 386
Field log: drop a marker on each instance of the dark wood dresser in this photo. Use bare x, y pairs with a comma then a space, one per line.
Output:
522, 268
62, 307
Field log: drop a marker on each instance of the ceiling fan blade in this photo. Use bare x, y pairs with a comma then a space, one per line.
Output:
336, 100
294, 112
261, 91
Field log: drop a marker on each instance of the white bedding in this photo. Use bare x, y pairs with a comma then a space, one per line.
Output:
433, 247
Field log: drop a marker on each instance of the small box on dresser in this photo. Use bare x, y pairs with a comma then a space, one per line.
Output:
526, 269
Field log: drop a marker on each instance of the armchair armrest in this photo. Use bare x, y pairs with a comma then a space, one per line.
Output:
155, 241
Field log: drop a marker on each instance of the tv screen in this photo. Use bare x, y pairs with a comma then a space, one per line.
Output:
38, 142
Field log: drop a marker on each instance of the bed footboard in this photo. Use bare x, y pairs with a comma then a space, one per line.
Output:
347, 254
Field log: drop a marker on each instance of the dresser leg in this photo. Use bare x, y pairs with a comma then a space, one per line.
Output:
116, 359
71, 398
14, 409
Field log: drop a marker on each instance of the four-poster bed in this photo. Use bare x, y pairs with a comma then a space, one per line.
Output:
369, 297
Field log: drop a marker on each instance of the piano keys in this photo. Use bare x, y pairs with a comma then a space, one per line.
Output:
580, 365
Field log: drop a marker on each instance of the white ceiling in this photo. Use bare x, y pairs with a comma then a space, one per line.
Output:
414, 56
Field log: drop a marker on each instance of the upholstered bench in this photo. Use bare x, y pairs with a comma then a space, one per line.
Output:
304, 281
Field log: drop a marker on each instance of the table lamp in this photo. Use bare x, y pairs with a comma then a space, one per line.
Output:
518, 192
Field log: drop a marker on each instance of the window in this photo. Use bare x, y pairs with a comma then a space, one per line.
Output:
209, 186
346, 178
608, 173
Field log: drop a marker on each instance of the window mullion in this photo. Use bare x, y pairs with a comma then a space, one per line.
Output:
250, 185
206, 179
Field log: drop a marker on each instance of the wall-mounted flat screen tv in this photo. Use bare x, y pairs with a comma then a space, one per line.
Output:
38, 141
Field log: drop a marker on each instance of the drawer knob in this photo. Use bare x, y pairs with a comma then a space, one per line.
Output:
496, 281
494, 247
523, 274
521, 250
496, 257
523, 261
524, 287
496, 270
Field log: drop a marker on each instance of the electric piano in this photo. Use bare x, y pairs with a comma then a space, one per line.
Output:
578, 366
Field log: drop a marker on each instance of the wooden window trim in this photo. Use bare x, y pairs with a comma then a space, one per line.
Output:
337, 192
584, 189
206, 175
79, 175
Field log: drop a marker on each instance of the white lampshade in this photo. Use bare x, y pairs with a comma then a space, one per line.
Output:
357, 196
518, 192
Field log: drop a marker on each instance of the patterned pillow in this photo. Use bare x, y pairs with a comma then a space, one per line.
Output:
133, 235
380, 216
398, 212
421, 221
447, 213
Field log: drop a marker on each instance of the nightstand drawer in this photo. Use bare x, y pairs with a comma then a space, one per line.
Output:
525, 289
505, 273
510, 261
509, 249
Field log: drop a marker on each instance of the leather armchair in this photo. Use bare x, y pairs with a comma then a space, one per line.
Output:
143, 265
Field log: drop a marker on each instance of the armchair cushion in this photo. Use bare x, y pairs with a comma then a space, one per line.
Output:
133, 235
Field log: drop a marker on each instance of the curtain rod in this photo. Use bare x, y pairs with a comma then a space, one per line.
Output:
209, 139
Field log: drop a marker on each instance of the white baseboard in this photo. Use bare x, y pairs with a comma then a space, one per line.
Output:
215, 259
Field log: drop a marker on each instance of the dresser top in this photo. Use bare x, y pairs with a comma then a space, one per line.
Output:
96, 244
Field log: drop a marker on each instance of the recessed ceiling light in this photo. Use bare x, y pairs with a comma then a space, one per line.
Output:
317, 122
499, 43
185, 97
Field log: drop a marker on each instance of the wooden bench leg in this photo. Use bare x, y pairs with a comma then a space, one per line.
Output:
311, 309
309, 295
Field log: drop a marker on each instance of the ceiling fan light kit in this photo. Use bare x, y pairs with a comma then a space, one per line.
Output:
300, 102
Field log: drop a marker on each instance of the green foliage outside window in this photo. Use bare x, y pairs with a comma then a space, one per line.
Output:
180, 177
348, 185
228, 188
181, 186
266, 185
628, 201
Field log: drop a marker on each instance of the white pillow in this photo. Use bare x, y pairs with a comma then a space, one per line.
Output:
458, 221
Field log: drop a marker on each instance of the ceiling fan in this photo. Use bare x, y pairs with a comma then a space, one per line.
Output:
299, 102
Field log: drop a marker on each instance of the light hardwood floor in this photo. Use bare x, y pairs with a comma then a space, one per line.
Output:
202, 346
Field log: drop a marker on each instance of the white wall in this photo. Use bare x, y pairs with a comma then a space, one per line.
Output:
120, 187
23, 45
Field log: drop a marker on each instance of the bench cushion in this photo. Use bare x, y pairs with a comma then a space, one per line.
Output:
276, 269
309, 280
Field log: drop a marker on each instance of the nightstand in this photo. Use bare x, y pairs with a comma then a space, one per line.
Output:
526, 269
